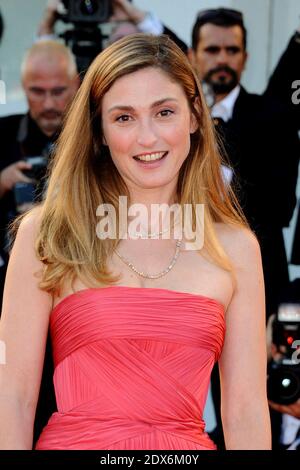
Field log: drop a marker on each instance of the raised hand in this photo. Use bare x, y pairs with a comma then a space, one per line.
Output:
123, 10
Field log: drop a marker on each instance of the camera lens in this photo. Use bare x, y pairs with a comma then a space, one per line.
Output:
88, 7
284, 385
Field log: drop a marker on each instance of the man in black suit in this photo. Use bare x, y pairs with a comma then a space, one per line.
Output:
259, 136
261, 142
285, 80
285, 84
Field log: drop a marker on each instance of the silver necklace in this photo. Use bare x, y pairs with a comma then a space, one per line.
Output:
152, 276
148, 235
144, 235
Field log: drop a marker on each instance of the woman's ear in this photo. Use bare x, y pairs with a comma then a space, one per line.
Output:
194, 119
104, 140
194, 124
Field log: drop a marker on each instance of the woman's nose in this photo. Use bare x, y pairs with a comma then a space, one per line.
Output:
147, 135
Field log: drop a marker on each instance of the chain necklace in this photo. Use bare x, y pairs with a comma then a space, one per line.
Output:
148, 235
151, 234
152, 276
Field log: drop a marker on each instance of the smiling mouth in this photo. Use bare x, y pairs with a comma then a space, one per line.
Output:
150, 157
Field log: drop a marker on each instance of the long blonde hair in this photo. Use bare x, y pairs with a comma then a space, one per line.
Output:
84, 176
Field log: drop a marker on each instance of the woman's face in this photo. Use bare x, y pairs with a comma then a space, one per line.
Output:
146, 123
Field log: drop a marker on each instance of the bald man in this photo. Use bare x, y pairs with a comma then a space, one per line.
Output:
50, 81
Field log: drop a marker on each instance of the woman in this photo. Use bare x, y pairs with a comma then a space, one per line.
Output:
137, 321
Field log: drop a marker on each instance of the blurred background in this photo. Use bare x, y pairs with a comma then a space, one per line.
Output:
270, 24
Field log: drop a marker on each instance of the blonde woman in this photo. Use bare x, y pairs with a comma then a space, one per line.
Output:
137, 321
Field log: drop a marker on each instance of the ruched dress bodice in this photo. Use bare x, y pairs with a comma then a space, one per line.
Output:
132, 369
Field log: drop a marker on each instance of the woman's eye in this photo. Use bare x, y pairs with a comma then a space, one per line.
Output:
123, 118
166, 112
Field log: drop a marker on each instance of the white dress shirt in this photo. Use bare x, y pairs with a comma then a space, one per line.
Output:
224, 108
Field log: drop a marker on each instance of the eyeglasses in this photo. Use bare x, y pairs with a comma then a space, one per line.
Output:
210, 14
40, 94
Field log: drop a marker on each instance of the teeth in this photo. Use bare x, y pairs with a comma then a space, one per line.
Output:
150, 157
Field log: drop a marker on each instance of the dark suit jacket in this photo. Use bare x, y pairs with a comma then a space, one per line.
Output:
20, 137
295, 257
176, 39
286, 72
263, 148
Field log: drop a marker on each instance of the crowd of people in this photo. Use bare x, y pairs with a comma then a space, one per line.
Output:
132, 364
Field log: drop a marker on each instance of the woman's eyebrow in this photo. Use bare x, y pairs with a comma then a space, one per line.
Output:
122, 107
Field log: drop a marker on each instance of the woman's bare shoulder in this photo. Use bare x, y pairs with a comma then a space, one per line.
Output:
27, 226
32, 219
239, 242
23, 253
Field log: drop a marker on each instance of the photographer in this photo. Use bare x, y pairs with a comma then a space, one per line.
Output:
50, 80
125, 19
283, 373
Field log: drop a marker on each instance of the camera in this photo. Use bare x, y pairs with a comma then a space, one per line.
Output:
283, 385
87, 11
38, 167
85, 39
27, 193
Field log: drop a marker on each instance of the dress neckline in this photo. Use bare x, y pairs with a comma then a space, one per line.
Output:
150, 289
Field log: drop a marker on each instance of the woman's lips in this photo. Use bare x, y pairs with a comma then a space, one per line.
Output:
151, 163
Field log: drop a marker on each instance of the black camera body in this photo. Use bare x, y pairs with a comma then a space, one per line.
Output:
283, 384
27, 193
87, 35
87, 11
38, 167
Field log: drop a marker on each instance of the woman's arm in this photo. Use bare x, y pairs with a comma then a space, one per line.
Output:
23, 332
244, 405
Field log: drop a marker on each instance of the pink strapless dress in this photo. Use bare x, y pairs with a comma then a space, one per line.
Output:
132, 369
